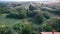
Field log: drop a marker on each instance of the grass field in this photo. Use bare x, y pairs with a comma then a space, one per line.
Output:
8, 21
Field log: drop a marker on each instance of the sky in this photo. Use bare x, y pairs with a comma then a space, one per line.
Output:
25, 0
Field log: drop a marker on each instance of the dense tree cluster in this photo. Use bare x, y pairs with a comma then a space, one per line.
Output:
53, 24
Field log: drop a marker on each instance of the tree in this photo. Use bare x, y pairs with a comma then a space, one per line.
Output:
3, 10
39, 17
8, 32
23, 28
47, 28
52, 24
25, 31
17, 14
56, 25
31, 8
24, 13
45, 14
5, 29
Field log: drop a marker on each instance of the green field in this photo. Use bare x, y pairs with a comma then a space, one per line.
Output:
8, 21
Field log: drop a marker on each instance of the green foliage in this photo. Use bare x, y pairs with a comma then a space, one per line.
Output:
32, 15
25, 31
4, 29
3, 10
15, 16
31, 8
8, 32
47, 28
52, 24
24, 28
56, 25
45, 14
14, 13
39, 17
24, 13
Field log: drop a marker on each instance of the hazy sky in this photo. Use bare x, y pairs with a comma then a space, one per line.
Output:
27, 0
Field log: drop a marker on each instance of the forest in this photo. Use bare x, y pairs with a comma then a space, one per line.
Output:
29, 18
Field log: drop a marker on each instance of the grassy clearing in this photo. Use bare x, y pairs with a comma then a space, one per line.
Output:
8, 21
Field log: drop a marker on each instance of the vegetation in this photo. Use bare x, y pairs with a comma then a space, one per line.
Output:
30, 19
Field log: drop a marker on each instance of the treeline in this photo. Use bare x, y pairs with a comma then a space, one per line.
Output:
54, 9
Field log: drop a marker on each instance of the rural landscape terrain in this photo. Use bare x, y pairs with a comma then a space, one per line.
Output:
29, 17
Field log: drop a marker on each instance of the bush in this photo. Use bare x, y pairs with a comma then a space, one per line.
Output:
48, 28
3, 10
46, 16
52, 24
15, 16
23, 28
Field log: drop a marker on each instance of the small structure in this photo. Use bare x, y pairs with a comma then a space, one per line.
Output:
15, 32
50, 33
53, 32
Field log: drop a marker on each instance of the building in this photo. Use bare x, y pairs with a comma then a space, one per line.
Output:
50, 32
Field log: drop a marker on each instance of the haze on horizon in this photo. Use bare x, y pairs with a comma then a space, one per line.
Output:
32, 0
